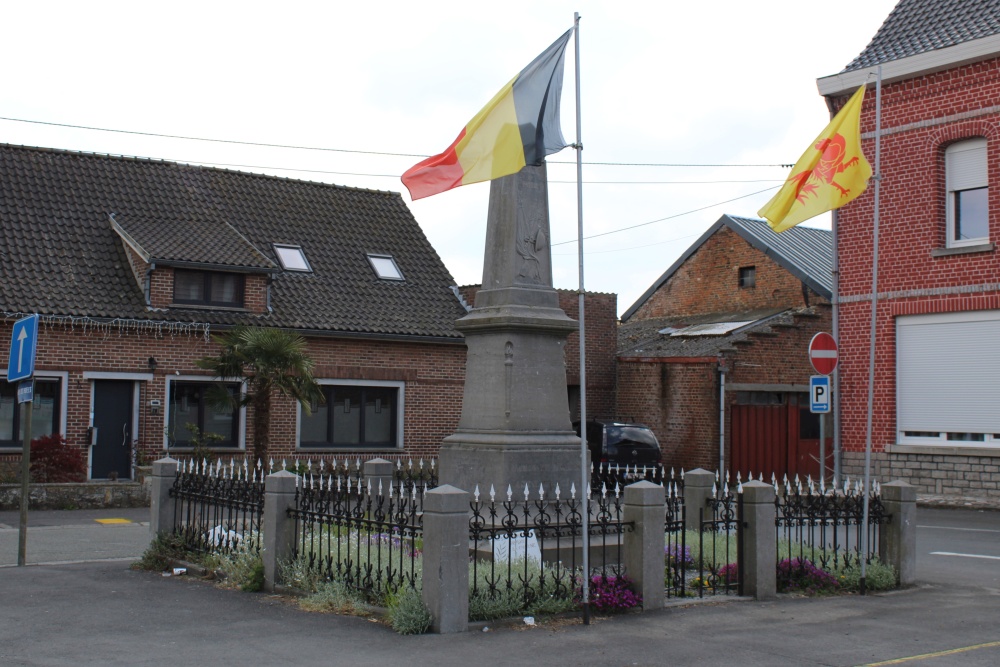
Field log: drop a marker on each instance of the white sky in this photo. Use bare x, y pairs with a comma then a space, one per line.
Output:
723, 82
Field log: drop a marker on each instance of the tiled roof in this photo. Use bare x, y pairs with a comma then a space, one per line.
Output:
59, 254
918, 26
190, 241
805, 252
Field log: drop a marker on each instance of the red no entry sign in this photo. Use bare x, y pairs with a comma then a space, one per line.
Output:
823, 353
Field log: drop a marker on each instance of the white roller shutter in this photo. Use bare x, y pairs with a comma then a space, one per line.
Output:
965, 165
948, 372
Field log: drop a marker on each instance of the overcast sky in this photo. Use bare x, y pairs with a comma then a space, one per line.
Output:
727, 82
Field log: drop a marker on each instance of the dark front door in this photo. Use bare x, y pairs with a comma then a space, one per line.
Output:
113, 421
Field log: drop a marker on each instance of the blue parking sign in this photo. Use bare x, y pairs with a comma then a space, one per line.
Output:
819, 393
23, 341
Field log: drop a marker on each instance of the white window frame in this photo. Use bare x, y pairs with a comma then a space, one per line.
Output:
241, 428
293, 251
378, 263
966, 168
400, 415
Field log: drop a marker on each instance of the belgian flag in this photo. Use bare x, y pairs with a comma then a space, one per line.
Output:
519, 126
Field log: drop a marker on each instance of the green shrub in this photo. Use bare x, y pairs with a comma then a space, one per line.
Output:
243, 565
335, 597
879, 576
407, 613
164, 548
485, 605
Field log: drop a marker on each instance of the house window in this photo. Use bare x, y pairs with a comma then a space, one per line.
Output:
355, 416
44, 412
946, 388
968, 189
748, 276
197, 405
292, 258
208, 288
385, 267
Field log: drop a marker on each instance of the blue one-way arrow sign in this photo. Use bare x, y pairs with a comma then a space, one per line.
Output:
23, 340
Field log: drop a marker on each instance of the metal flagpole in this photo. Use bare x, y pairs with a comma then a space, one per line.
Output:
871, 341
584, 473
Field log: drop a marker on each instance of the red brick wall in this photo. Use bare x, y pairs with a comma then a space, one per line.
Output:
919, 121
708, 282
161, 290
433, 374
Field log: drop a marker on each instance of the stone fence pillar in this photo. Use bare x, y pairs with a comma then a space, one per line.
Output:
446, 558
278, 530
760, 560
378, 471
645, 560
897, 540
161, 505
697, 490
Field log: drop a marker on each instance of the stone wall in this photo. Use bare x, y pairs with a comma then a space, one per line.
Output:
966, 475
75, 496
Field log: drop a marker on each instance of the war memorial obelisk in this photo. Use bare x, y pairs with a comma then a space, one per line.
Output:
515, 427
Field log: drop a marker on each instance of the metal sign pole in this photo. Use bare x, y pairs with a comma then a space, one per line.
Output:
22, 532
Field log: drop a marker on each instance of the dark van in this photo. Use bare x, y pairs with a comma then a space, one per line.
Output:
622, 443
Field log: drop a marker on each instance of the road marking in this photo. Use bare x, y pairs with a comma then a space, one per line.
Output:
967, 530
949, 553
925, 656
111, 521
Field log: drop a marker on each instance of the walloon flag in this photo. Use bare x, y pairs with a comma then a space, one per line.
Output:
831, 173
519, 126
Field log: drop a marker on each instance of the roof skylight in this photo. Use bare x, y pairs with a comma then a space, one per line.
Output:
292, 258
385, 267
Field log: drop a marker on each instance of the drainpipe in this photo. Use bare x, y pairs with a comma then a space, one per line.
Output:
722, 417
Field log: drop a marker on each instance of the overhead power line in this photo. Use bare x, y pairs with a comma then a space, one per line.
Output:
341, 150
669, 217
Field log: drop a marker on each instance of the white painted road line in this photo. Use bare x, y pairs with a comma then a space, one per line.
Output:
967, 530
948, 553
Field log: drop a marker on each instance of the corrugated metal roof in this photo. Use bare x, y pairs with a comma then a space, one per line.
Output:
918, 26
805, 251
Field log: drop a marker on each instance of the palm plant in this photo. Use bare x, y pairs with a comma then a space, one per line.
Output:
267, 361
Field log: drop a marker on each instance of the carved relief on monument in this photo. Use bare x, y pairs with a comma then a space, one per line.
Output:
532, 245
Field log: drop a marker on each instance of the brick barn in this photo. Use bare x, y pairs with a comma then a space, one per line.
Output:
133, 264
937, 400
733, 316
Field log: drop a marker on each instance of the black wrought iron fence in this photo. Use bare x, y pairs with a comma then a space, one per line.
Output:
370, 542
218, 507
704, 553
610, 475
825, 526
532, 546
422, 472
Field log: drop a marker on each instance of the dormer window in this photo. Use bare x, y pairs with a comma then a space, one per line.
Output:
385, 267
208, 288
292, 258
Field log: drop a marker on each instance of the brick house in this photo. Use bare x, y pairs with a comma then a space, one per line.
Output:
936, 399
732, 316
133, 264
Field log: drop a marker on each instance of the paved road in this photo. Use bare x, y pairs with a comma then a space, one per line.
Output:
101, 613
79, 535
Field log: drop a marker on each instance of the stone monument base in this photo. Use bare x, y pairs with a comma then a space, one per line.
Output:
501, 459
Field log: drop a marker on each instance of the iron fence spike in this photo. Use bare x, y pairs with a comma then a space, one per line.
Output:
509, 493
572, 490
493, 493
475, 494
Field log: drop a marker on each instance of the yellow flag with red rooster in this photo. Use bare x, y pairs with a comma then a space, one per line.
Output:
831, 173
